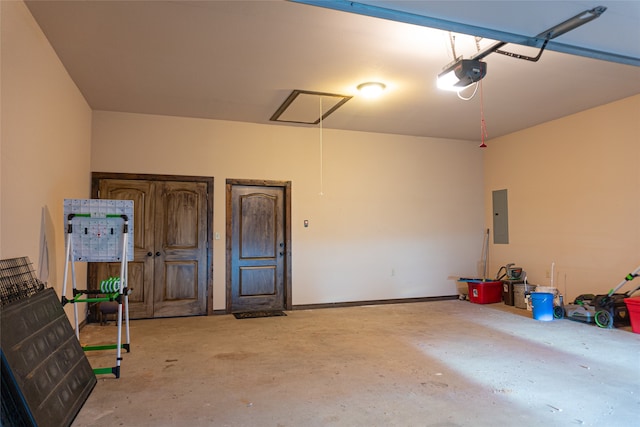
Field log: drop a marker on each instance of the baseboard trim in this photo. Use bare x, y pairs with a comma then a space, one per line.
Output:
373, 302
360, 303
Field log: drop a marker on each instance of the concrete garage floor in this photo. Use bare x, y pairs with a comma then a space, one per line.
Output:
441, 363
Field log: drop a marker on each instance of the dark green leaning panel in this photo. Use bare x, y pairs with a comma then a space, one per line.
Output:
46, 377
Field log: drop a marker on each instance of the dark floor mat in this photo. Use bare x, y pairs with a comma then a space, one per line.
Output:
256, 314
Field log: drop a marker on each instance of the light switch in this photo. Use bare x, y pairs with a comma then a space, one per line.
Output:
306, 223
217, 236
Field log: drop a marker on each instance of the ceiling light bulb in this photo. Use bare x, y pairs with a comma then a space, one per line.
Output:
371, 89
448, 81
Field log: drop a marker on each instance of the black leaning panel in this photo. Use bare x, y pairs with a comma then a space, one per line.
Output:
46, 366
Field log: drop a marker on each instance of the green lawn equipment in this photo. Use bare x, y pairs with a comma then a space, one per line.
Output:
606, 311
611, 310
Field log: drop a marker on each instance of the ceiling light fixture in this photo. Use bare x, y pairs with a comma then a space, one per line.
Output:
371, 89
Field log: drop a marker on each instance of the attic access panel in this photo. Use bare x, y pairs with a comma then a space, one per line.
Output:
308, 107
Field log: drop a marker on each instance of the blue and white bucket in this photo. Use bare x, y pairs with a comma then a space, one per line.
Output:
542, 306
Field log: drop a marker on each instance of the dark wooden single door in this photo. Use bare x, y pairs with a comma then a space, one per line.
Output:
258, 248
170, 269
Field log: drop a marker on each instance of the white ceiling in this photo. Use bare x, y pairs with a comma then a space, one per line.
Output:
239, 60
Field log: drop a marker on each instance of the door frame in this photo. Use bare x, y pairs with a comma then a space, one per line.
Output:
286, 186
95, 186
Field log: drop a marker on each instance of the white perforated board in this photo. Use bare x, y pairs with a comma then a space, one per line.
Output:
97, 229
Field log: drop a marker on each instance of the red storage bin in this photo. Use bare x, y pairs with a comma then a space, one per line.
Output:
485, 292
633, 308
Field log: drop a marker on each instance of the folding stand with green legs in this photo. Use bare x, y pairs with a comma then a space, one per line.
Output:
97, 231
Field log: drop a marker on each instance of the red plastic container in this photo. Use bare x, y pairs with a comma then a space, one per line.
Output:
485, 292
633, 307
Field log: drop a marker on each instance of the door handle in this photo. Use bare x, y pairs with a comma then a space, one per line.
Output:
149, 253
158, 253
281, 253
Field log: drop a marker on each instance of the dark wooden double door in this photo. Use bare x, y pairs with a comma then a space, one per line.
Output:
171, 271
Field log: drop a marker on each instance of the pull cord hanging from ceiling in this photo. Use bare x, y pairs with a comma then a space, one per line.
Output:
478, 84
321, 151
483, 124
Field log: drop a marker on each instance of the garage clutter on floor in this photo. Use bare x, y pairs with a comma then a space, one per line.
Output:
546, 303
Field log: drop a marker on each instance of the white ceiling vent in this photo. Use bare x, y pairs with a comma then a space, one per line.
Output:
308, 107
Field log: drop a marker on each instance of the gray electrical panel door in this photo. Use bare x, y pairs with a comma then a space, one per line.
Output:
500, 217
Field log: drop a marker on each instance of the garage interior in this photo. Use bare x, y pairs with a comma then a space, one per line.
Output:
386, 202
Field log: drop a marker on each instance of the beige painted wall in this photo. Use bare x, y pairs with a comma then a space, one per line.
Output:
574, 198
45, 145
398, 216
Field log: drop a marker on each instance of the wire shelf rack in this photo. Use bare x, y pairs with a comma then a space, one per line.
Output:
18, 280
